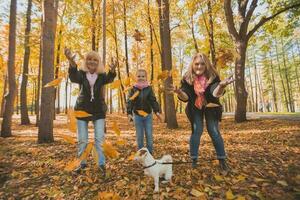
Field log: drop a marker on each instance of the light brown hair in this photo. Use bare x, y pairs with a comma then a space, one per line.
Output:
210, 71
93, 54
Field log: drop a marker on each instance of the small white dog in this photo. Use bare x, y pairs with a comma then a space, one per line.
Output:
155, 168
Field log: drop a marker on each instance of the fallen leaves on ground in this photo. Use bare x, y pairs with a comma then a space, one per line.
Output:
264, 156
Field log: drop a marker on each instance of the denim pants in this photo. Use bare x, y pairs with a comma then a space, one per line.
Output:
143, 126
82, 133
212, 124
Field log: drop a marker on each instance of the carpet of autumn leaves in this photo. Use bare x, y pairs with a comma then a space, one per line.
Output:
264, 156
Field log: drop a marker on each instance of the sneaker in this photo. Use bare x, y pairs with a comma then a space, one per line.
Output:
194, 163
80, 168
102, 170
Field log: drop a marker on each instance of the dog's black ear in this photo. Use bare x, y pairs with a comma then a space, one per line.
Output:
143, 152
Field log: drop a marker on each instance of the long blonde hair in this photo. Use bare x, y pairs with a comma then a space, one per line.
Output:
93, 54
210, 71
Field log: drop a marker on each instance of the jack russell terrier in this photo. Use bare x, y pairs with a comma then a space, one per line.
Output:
155, 168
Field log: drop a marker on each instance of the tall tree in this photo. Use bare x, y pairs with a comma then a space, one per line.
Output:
24, 109
166, 60
45, 132
125, 36
10, 97
241, 37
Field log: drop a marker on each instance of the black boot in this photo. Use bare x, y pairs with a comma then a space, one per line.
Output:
223, 166
194, 163
80, 168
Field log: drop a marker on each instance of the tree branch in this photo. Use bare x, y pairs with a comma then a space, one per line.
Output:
245, 23
266, 19
229, 19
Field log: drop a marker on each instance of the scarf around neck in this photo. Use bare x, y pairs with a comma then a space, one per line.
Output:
200, 85
141, 85
92, 79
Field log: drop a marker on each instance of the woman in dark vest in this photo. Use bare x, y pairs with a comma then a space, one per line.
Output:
201, 88
91, 78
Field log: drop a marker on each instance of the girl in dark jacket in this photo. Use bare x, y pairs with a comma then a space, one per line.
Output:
141, 102
201, 88
91, 79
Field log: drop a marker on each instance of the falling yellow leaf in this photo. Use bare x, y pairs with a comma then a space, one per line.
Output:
127, 82
134, 95
87, 151
163, 75
53, 83
95, 155
109, 150
219, 178
68, 139
72, 125
116, 84
72, 164
75, 92
108, 196
81, 113
229, 195
142, 113
116, 128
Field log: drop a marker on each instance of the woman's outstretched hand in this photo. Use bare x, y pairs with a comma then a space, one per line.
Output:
227, 81
113, 64
70, 56
181, 94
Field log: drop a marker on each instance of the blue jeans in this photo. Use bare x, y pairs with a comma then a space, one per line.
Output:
212, 124
144, 125
82, 133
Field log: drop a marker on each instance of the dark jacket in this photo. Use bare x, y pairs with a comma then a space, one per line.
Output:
97, 107
191, 108
145, 101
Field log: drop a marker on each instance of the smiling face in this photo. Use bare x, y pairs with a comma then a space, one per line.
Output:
92, 62
141, 76
199, 66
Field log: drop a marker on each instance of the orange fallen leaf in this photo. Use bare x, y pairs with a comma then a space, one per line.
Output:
68, 139
131, 157
121, 142
72, 164
134, 95
109, 150
87, 151
81, 113
142, 113
53, 83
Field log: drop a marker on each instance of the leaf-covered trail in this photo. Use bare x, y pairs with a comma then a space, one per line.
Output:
264, 156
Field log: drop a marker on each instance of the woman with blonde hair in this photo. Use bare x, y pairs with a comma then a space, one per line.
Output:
201, 88
91, 78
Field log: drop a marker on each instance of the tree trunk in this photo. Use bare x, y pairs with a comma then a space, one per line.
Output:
289, 89
273, 84
125, 37
211, 35
166, 60
240, 91
3, 96
38, 95
93, 26
24, 110
281, 78
151, 43
45, 132
10, 97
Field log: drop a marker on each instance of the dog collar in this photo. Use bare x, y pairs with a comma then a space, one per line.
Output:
150, 165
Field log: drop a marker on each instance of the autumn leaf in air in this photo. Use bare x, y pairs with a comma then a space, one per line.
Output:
134, 95
81, 113
109, 150
142, 113
53, 83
